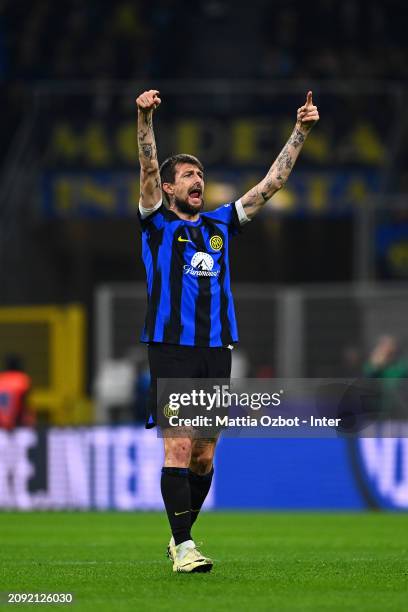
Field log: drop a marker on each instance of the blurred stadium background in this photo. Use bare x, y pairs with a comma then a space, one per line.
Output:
317, 277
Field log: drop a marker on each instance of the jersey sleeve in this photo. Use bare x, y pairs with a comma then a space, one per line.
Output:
151, 218
232, 214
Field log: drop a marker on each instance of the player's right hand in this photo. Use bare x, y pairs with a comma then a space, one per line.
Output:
148, 100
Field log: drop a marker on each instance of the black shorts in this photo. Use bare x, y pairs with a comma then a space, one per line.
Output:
178, 361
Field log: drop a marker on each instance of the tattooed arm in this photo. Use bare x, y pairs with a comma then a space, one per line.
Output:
150, 185
278, 174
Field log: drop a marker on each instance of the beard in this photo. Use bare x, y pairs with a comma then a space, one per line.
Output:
186, 208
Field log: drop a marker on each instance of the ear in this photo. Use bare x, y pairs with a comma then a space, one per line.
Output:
168, 188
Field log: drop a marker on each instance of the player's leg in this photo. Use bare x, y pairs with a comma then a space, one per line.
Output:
217, 367
201, 472
176, 492
175, 487
167, 362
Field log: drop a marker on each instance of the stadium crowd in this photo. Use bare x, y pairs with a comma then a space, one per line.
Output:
141, 39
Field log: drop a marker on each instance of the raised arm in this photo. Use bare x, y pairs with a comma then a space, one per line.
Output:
278, 174
150, 185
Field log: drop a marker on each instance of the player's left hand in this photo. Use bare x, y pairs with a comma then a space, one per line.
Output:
307, 115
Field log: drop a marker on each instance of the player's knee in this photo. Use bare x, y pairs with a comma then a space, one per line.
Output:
178, 453
202, 463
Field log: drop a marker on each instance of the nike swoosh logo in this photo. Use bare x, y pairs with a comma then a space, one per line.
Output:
180, 239
178, 513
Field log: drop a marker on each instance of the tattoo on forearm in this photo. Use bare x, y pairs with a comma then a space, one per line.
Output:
284, 159
142, 134
145, 136
147, 150
253, 196
150, 184
278, 173
297, 139
147, 119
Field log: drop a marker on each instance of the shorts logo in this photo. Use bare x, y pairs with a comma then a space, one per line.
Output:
169, 412
201, 265
216, 243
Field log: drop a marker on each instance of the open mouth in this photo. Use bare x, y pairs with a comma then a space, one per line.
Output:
195, 194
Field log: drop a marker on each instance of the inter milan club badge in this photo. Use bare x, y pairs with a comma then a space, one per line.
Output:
168, 411
216, 243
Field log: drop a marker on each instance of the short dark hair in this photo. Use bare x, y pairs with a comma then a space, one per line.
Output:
168, 167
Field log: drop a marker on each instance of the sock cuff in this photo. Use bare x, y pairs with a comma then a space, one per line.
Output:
200, 477
175, 471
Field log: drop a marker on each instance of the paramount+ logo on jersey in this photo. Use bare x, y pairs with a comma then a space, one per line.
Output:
201, 264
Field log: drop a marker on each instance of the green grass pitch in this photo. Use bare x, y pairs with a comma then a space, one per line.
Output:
263, 561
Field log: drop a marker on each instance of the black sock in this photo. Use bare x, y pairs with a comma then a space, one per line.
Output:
175, 488
199, 487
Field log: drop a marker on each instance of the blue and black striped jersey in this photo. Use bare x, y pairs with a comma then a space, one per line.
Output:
188, 280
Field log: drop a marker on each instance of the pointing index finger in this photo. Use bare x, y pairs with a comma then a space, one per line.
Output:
309, 100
